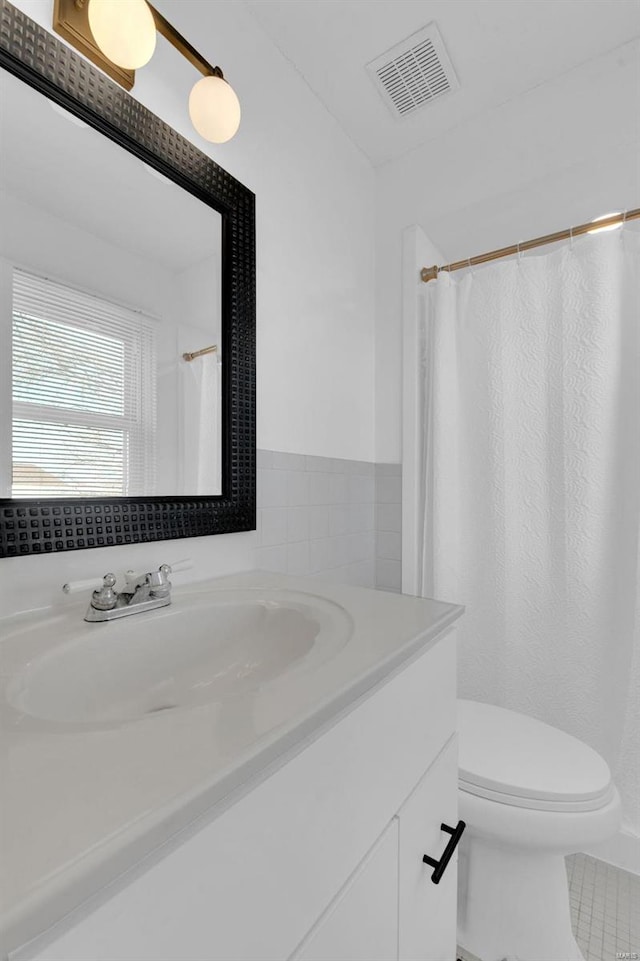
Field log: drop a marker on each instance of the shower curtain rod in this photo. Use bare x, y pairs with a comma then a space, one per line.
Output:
430, 273
192, 354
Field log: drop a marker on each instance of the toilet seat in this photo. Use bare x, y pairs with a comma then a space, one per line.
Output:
514, 759
539, 804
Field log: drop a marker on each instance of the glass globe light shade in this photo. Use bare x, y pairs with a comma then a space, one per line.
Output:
214, 109
124, 30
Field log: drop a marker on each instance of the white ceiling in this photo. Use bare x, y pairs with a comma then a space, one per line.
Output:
499, 48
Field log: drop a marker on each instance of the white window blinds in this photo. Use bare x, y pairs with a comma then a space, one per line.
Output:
84, 394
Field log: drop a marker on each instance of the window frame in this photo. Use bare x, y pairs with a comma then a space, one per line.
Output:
137, 336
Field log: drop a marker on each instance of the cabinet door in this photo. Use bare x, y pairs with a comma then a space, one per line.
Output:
361, 924
427, 911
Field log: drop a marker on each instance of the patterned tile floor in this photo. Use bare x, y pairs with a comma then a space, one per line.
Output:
605, 911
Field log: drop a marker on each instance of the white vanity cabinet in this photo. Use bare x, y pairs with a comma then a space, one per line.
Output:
319, 860
427, 912
390, 908
361, 924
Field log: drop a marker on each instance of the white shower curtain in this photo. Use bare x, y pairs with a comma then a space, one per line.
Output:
531, 487
201, 407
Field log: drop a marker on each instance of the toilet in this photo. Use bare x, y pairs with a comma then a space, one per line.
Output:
529, 794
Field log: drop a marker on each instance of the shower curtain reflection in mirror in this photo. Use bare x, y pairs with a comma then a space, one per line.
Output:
200, 381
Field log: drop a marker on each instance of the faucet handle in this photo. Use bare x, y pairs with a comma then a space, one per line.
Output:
133, 581
159, 582
105, 598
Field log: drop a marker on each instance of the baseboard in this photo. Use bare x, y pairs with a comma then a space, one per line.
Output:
623, 851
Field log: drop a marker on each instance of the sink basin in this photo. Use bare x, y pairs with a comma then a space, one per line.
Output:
205, 647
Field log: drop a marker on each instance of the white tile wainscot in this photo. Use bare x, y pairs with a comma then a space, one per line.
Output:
331, 518
388, 527
289, 861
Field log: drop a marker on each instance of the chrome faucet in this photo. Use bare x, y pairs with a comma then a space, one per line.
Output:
143, 592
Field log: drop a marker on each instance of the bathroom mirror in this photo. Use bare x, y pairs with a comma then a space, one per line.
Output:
111, 348
127, 315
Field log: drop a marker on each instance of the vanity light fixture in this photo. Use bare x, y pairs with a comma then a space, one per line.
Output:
125, 31
120, 37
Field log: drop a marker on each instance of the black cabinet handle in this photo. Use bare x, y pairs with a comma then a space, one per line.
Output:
447, 854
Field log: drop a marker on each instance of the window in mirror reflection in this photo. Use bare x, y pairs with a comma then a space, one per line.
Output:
84, 396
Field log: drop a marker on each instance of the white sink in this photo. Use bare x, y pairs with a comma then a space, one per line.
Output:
205, 647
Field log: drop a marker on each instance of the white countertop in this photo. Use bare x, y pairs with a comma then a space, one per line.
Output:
80, 807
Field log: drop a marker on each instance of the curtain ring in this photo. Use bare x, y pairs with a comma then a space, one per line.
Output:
518, 251
570, 238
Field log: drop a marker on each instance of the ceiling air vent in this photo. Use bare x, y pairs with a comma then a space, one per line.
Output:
414, 72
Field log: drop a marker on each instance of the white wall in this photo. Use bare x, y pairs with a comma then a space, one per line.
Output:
314, 208
39, 241
559, 155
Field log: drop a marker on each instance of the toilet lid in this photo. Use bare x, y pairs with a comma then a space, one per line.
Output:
519, 757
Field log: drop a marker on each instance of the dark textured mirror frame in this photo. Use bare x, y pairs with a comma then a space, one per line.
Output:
46, 526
